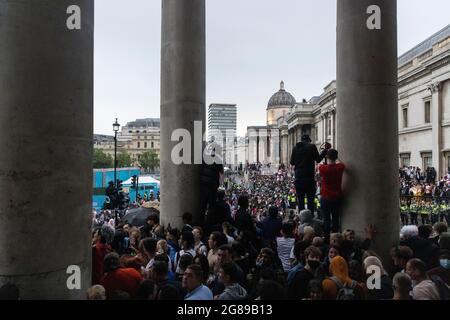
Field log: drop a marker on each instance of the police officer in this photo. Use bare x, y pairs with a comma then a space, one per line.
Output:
404, 214
424, 210
292, 199
444, 211
413, 211
435, 208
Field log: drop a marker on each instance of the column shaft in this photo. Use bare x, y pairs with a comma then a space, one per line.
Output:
367, 118
182, 102
46, 145
436, 120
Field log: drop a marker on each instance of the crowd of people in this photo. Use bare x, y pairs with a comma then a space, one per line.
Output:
424, 198
264, 239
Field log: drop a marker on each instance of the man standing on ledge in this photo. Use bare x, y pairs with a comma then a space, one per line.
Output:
303, 157
331, 192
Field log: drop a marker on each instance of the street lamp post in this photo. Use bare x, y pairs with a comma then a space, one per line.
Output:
116, 127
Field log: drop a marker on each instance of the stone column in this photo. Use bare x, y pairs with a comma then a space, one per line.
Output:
297, 137
324, 134
285, 151
256, 148
333, 130
367, 121
258, 145
46, 117
182, 103
289, 147
262, 134
436, 120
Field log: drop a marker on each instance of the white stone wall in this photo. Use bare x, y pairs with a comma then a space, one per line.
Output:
446, 102
274, 113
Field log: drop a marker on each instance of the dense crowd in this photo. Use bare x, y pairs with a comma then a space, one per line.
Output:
263, 250
424, 198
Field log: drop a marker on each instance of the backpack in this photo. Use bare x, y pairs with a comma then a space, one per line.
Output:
344, 291
443, 288
178, 257
198, 252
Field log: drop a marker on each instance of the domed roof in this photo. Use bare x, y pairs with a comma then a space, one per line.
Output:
281, 98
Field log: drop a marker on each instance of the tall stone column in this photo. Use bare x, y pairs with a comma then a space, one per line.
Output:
436, 120
367, 121
324, 133
333, 132
285, 150
183, 86
289, 150
256, 147
46, 103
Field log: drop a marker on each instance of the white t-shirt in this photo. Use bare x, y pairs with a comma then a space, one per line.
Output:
284, 248
426, 290
201, 249
149, 265
181, 253
230, 239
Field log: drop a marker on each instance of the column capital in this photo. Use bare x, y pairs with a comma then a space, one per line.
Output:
435, 87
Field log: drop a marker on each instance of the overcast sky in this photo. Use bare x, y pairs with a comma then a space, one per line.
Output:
251, 46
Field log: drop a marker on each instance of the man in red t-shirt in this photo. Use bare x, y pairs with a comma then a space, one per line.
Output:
117, 278
331, 192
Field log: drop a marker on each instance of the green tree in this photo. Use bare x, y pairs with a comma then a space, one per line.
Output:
149, 161
102, 160
124, 160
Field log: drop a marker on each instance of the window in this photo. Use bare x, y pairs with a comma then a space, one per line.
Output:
427, 111
405, 160
152, 145
427, 161
145, 145
138, 145
405, 117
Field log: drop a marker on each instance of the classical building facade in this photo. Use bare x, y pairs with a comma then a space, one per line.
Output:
424, 104
424, 113
135, 138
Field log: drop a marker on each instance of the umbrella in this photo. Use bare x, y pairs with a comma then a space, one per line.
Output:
138, 217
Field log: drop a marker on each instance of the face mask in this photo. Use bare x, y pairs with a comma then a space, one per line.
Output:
445, 263
314, 264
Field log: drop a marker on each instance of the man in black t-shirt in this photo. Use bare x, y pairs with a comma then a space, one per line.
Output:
304, 156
